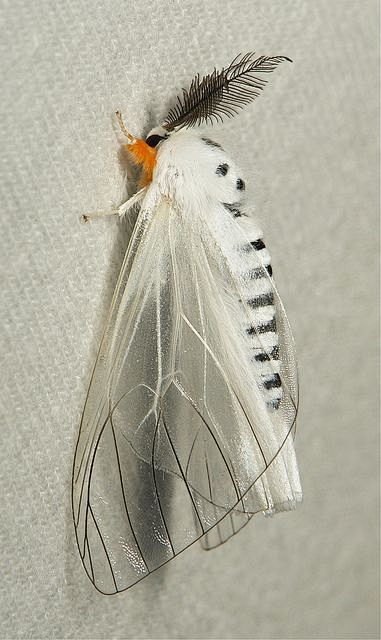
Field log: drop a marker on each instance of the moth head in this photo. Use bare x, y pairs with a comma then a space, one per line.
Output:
156, 135
143, 152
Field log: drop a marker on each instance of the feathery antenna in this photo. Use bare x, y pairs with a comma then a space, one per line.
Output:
221, 93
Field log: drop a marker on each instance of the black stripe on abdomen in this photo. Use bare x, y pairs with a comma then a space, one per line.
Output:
265, 357
265, 354
259, 272
266, 327
262, 300
273, 382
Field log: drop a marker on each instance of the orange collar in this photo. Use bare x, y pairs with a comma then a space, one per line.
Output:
144, 156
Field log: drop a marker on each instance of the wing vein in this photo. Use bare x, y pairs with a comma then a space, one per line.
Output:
104, 546
182, 474
155, 484
124, 495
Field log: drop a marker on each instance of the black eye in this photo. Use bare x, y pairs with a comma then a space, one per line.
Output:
154, 140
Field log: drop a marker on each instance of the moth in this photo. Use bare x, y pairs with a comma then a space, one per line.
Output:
189, 420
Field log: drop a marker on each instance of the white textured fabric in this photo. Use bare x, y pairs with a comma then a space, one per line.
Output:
308, 148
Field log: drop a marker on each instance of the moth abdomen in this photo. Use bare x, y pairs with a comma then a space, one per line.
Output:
259, 322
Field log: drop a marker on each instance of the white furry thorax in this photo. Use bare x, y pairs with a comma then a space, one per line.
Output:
187, 171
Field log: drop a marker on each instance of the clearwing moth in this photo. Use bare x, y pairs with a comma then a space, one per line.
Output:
188, 425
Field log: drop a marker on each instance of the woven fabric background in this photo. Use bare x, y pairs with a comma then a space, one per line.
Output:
309, 150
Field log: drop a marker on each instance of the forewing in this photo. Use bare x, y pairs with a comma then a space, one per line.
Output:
176, 436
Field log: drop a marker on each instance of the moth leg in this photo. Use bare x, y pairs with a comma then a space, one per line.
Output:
86, 217
131, 202
120, 211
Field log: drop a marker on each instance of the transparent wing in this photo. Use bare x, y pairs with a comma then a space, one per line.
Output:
177, 440
270, 347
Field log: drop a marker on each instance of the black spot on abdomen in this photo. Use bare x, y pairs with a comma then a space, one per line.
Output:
258, 244
234, 209
211, 143
222, 169
240, 184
